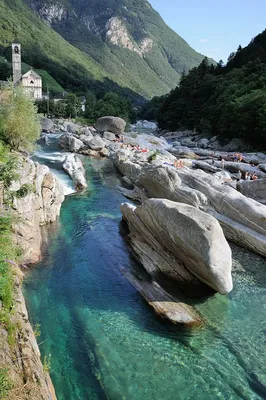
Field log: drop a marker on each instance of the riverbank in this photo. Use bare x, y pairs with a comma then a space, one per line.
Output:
32, 200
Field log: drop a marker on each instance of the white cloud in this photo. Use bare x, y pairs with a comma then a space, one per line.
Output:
204, 40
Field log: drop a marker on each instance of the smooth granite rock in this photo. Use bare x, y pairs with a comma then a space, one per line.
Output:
193, 240
243, 219
40, 206
254, 189
111, 124
167, 307
74, 168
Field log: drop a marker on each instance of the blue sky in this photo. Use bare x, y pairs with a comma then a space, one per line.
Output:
214, 28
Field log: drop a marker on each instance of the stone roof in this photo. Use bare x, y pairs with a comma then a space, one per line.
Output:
31, 72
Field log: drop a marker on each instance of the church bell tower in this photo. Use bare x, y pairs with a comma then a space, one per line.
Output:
16, 62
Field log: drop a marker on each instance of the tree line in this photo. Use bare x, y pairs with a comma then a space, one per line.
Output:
227, 100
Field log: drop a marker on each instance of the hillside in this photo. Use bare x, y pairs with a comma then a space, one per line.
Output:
229, 101
98, 46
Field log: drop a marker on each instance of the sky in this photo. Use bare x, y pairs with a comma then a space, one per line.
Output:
214, 28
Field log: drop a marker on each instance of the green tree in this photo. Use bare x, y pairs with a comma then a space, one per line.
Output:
19, 121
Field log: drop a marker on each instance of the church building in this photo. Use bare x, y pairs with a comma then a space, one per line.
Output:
31, 81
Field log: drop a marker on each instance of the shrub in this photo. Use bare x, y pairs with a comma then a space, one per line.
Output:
5, 383
19, 121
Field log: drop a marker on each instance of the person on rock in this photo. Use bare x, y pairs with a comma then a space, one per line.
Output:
239, 175
222, 163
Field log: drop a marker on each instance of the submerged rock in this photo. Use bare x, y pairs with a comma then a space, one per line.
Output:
167, 307
190, 241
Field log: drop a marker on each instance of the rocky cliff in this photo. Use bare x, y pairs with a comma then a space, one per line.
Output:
41, 205
22, 358
37, 202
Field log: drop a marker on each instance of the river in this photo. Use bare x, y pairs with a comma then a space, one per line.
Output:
104, 340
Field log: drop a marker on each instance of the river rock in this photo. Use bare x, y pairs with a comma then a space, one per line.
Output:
70, 143
104, 152
73, 128
47, 125
167, 307
254, 189
109, 136
205, 166
111, 124
63, 128
74, 168
262, 167
235, 145
243, 167
96, 143
203, 143
86, 138
187, 142
194, 239
243, 219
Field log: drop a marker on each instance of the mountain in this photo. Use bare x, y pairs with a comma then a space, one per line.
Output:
98, 45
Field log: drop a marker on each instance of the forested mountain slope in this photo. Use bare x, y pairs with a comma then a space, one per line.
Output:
108, 44
229, 100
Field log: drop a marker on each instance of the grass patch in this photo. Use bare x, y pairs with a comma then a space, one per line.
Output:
5, 383
8, 253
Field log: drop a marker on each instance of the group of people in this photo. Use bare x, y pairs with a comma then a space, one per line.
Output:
135, 147
248, 176
179, 164
238, 157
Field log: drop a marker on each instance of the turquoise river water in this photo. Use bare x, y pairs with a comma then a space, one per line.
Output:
103, 340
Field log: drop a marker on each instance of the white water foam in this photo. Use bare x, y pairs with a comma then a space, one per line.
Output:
57, 157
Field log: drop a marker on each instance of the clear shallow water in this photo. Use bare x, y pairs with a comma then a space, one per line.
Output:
106, 343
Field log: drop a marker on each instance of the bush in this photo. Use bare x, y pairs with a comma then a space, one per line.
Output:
5, 383
19, 121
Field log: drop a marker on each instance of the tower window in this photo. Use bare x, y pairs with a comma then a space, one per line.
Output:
32, 82
16, 49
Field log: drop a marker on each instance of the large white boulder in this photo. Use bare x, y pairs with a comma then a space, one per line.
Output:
193, 238
111, 124
74, 168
